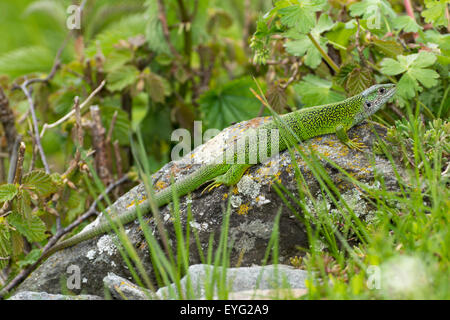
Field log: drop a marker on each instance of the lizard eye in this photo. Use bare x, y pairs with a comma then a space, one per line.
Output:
368, 104
382, 90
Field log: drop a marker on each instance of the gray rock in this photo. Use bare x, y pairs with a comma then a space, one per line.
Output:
122, 289
252, 215
237, 279
29, 295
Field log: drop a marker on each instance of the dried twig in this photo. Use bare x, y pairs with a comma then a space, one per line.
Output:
111, 128
4, 211
78, 138
71, 113
98, 142
35, 126
7, 119
165, 28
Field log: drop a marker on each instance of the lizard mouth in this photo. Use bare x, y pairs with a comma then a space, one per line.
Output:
391, 92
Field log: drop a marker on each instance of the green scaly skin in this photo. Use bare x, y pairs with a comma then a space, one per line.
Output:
305, 123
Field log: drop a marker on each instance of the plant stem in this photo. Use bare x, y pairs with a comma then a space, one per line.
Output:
323, 53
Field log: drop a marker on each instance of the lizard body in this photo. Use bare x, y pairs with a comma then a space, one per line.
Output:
304, 123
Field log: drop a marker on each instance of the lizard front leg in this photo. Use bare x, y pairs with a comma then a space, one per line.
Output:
351, 143
229, 178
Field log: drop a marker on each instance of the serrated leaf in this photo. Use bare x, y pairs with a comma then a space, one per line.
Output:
156, 87
122, 125
33, 229
314, 91
7, 192
121, 78
154, 31
407, 86
301, 15
426, 77
30, 258
413, 66
5, 245
230, 103
435, 12
388, 47
342, 76
75, 204
423, 59
406, 23
303, 46
40, 182
392, 67
117, 59
358, 80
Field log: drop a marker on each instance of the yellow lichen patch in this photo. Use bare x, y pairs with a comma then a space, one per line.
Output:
277, 176
235, 190
160, 185
131, 204
225, 196
243, 209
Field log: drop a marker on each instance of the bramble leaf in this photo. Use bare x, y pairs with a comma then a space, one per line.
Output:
406, 23
230, 103
121, 78
7, 192
301, 15
33, 229
358, 80
314, 91
435, 12
39, 182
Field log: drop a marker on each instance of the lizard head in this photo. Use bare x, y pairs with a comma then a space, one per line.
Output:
376, 96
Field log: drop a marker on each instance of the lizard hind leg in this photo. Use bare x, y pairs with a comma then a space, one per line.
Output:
229, 178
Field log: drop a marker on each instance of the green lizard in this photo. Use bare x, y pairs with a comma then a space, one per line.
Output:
304, 123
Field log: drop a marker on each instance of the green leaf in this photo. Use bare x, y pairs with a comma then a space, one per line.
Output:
413, 66
423, 59
230, 103
392, 67
121, 78
407, 86
303, 46
359, 80
314, 91
156, 87
301, 15
406, 23
117, 59
30, 258
435, 12
372, 10
388, 47
33, 229
426, 77
122, 125
25, 61
153, 31
7, 192
5, 244
340, 34
39, 182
